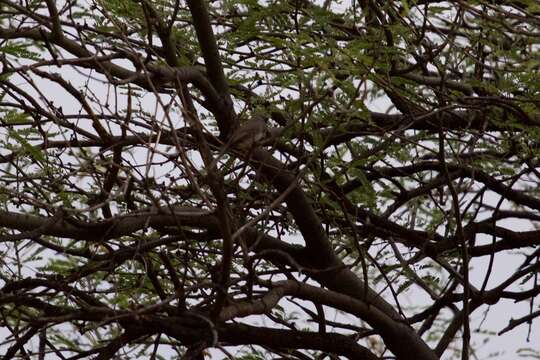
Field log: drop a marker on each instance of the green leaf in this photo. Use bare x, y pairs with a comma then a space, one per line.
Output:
34, 151
20, 50
14, 117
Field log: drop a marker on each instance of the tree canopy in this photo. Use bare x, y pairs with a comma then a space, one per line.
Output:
397, 174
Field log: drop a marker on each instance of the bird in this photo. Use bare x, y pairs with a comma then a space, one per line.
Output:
246, 137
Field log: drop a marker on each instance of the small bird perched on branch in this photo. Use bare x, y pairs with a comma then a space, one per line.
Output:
246, 137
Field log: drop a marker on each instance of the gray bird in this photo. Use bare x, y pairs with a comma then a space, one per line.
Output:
246, 137
250, 133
